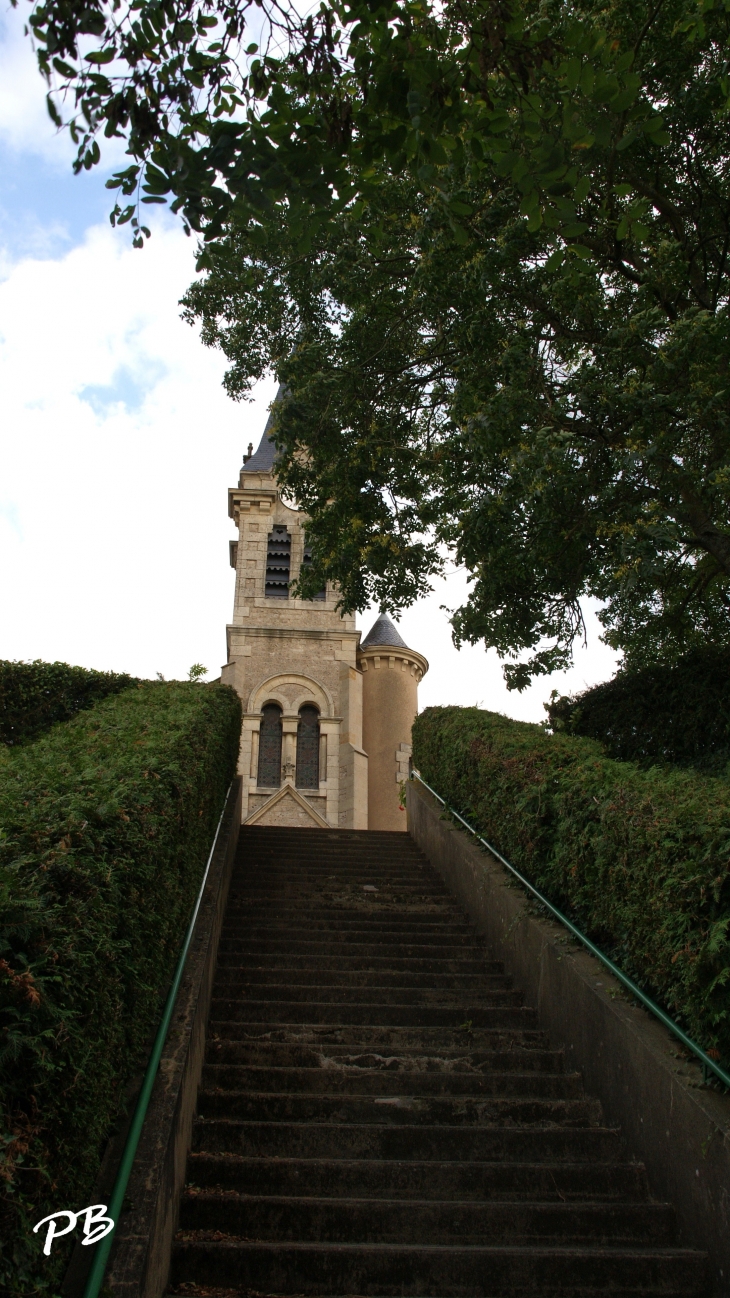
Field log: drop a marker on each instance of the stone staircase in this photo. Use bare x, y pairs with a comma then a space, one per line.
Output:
380, 1113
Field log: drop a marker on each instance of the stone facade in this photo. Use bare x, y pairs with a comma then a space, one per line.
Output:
286, 655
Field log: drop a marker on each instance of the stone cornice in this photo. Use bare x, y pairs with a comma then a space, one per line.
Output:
295, 633
379, 656
250, 500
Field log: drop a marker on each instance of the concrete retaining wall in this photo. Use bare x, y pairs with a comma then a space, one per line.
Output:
670, 1121
140, 1257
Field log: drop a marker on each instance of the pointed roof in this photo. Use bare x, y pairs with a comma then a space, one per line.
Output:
382, 632
262, 460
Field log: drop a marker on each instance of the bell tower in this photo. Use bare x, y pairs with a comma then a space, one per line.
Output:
293, 663
315, 700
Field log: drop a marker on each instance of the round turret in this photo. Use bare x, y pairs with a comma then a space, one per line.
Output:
391, 672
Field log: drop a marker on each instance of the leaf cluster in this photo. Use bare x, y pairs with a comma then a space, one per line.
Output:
639, 858
36, 695
105, 825
305, 116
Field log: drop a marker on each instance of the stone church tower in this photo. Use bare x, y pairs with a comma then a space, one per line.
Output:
326, 720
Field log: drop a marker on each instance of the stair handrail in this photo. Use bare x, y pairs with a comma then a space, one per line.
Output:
708, 1064
103, 1248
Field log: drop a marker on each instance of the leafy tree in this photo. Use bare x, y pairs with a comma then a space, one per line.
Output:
551, 405
235, 107
485, 244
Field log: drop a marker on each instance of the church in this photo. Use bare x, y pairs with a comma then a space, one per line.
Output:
326, 739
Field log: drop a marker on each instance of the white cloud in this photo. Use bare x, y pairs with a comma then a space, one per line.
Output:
114, 519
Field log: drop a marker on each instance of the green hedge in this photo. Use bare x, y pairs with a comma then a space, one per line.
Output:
678, 714
639, 858
35, 695
105, 826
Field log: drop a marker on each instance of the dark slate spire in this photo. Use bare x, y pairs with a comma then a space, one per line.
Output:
262, 460
382, 632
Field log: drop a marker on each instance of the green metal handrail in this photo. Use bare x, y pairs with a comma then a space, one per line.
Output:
103, 1248
708, 1064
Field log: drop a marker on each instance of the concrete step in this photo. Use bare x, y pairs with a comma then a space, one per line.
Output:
550, 1181
426, 1040
233, 950
345, 1059
413, 1221
478, 1271
345, 949
374, 897
357, 888
349, 1080
365, 994
406, 1141
314, 882
385, 921
343, 862
372, 1013
238, 974
369, 935
398, 1109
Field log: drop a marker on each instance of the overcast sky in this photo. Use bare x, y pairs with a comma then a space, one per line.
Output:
118, 444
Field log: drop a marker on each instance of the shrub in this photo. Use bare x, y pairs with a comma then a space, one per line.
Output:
640, 859
35, 695
106, 823
677, 714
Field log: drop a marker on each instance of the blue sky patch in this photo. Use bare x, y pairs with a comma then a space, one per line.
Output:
46, 210
128, 388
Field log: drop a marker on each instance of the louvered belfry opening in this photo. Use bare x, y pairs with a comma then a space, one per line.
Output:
269, 776
278, 562
308, 748
307, 563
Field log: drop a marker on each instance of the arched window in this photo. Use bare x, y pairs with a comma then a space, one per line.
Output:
308, 748
269, 776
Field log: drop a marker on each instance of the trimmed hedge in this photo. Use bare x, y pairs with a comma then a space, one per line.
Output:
105, 827
640, 859
35, 695
678, 714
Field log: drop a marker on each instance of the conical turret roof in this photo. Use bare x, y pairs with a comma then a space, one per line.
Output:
382, 632
262, 460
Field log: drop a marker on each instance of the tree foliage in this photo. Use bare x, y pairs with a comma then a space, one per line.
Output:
485, 244
231, 107
678, 715
549, 403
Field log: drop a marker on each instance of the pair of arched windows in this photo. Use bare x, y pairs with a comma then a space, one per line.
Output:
270, 736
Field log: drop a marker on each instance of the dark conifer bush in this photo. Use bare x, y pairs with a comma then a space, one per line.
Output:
35, 695
678, 713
